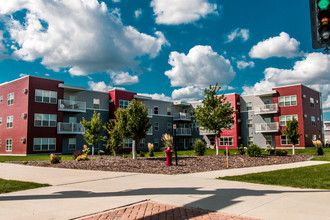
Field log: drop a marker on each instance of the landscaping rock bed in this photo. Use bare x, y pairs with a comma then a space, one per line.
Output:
157, 164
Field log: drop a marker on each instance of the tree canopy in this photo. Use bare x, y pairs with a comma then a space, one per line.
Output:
291, 132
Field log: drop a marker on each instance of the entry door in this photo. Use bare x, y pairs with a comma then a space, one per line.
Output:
185, 143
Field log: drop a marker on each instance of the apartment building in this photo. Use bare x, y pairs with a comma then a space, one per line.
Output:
327, 133
40, 116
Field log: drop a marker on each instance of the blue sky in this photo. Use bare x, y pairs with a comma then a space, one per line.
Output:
168, 49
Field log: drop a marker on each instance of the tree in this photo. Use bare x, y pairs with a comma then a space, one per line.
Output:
133, 122
115, 139
216, 113
291, 132
94, 130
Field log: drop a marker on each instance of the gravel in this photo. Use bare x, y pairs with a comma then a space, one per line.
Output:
157, 164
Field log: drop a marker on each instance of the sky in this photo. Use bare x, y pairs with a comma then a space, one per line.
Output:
166, 49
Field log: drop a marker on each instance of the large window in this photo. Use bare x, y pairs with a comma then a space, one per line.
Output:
10, 99
249, 106
96, 103
0, 121
45, 96
9, 144
149, 132
169, 111
311, 100
250, 140
226, 141
287, 100
123, 104
156, 126
1, 99
10, 120
285, 118
249, 123
72, 143
269, 140
44, 144
169, 126
128, 143
313, 120
44, 120
156, 110
285, 140
156, 143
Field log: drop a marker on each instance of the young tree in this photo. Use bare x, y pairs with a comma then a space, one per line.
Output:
133, 122
115, 139
216, 113
291, 132
94, 130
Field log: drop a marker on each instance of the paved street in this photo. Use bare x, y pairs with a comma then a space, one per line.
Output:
77, 193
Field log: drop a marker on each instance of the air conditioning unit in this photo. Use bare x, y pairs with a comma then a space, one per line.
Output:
238, 103
238, 120
24, 115
239, 138
24, 91
306, 135
305, 116
23, 140
317, 101
304, 96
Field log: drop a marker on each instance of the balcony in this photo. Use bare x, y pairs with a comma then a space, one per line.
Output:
183, 132
206, 132
70, 128
326, 127
266, 109
182, 116
71, 106
267, 127
150, 113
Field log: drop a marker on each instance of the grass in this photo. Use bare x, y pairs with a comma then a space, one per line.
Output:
321, 158
314, 177
7, 186
31, 158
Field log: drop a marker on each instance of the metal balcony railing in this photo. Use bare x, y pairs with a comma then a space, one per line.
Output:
206, 132
267, 127
266, 109
183, 131
71, 106
70, 128
181, 116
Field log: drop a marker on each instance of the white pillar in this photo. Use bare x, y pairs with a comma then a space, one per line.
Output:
133, 149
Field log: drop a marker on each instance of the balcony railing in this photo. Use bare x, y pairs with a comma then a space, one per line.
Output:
182, 116
183, 131
71, 106
70, 128
150, 113
267, 127
326, 127
266, 109
206, 132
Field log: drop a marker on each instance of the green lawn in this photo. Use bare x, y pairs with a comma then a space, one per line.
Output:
31, 158
321, 158
315, 177
7, 186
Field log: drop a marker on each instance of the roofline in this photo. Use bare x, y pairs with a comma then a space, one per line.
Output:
297, 84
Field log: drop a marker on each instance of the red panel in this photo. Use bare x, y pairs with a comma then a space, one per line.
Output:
117, 95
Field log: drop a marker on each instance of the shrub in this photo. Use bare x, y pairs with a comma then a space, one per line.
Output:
151, 149
55, 158
82, 157
224, 153
318, 145
77, 153
241, 149
86, 150
142, 154
281, 152
254, 150
100, 152
270, 149
199, 147
320, 151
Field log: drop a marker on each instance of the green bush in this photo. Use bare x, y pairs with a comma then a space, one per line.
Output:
199, 147
100, 152
281, 152
224, 153
241, 149
142, 154
320, 151
55, 158
254, 150
270, 150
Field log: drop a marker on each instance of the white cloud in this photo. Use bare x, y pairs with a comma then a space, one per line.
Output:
123, 78
312, 71
99, 86
189, 93
116, 1
2, 48
23, 75
238, 33
81, 36
173, 12
201, 67
242, 64
279, 46
138, 13
157, 96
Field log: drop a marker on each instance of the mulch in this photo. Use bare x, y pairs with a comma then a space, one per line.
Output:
156, 165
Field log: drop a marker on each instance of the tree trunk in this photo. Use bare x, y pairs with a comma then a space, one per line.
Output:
293, 150
93, 149
217, 145
133, 149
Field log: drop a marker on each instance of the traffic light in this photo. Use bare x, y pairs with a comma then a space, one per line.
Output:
320, 22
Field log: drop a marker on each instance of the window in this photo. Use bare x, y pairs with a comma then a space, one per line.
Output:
123, 104
10, 120
149, 132
156, 110
169, 126
44, 120
0, 121
45, 96
284, 119
250, 140
9, 144
44, 144
226, 141
156, 126
10, 99
285, 141
249, 106
96, 103
72, 143
249, 123
128, 143
1, 99
169, 111
156, 143
287, 100
142, 143
312, 102
313, 120
269, 140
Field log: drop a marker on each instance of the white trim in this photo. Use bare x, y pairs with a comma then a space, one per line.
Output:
97, 109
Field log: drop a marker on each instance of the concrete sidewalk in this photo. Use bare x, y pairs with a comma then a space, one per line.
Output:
76, 193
